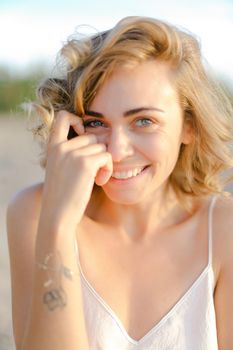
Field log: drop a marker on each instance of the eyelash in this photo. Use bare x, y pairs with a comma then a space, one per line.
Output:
88, 122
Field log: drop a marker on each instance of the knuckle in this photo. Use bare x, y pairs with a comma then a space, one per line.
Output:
60, 115
84, 162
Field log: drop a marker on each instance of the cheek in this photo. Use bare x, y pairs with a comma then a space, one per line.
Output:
160, 147
154, 147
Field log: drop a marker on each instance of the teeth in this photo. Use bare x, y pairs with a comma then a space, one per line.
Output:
126, 174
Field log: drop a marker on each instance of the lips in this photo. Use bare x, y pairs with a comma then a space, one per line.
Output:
123, 176
127, 174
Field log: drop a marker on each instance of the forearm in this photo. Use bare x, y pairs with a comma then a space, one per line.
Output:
56, 317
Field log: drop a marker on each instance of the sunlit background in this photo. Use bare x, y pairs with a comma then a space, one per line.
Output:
33, 31
31, 34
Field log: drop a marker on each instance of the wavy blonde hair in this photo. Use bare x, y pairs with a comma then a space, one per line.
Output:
91, 60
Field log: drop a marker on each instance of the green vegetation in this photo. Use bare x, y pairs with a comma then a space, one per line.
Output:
18, 88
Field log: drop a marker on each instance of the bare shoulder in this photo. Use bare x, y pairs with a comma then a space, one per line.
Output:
27, 198
224, 205
23, 213
223, 226
223, 248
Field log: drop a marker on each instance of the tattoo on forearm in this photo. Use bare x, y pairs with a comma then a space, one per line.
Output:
55, 296
55, 299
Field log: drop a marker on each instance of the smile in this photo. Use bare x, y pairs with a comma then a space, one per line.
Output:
125, 175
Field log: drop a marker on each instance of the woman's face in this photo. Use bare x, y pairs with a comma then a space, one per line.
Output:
137, 114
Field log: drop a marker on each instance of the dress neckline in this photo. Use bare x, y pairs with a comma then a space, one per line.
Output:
176, 305
167, 315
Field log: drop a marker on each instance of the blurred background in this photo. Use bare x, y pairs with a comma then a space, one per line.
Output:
31, 34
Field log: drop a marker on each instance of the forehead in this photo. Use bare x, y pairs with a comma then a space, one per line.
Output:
146, 83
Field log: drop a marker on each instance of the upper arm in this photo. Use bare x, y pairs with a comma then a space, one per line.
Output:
224, 288
22, 220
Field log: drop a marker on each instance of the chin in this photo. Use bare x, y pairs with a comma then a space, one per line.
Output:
125, 201
124, 198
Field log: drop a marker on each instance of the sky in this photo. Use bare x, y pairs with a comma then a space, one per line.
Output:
32, 32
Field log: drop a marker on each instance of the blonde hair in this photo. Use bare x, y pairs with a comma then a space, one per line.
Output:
90, 61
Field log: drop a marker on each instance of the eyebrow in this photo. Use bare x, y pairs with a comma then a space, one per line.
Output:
127, 113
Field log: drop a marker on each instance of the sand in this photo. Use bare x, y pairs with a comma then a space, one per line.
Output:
18, 169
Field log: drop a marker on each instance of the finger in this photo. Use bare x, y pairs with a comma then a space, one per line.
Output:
81, 141
102, 177
104, 165
79, 127
90, 150
61, 126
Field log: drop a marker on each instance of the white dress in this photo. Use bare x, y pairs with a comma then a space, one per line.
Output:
189, 325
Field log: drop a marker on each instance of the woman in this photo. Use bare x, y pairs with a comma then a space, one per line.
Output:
128, 242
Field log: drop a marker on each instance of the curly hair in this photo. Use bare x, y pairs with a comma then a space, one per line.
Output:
91, 60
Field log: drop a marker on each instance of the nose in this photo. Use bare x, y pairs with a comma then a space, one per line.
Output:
120, 145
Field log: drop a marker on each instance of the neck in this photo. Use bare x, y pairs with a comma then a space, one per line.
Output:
137, 221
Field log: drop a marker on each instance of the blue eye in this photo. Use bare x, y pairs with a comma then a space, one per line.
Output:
96, 123
93, 124
144, 122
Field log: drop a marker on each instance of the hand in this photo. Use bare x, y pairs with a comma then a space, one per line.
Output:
73, 166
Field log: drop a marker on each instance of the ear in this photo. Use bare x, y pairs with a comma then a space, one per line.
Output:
188, 132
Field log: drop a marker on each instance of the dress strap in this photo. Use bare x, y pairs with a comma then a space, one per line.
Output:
76, 249
210, 229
